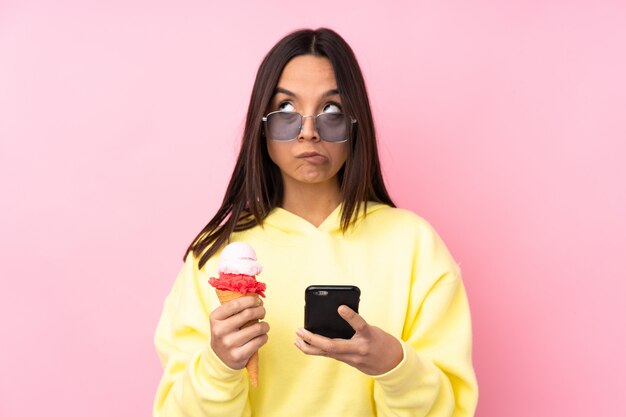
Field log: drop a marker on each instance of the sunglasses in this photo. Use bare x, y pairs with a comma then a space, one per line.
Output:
284, 126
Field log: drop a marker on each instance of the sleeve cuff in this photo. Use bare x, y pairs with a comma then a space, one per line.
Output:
218, 369
410, 369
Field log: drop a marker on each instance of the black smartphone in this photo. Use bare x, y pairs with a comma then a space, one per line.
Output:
320, 309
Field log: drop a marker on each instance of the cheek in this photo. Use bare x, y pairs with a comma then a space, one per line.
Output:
271, 150
276, 152
340, 154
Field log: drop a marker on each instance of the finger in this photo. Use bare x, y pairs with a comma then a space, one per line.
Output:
350, 358
245, 317
243, 353
357, 322
245, 335
329, 346
309, 349
235, 306
232, 324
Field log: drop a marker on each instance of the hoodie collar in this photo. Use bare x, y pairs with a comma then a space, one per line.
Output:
292, 223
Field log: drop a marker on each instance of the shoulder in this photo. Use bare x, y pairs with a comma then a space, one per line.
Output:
404, 233
192, 270
398, 227
381, 217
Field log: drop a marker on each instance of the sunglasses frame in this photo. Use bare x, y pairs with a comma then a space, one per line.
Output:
302, 117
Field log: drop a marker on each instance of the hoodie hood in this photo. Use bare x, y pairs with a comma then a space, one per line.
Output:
290, 223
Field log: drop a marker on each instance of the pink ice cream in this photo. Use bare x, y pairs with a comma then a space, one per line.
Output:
239, 258
238, 268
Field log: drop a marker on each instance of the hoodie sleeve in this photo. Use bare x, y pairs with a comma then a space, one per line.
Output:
435, 377
195, 382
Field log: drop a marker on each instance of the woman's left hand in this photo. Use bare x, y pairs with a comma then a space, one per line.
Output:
371, 350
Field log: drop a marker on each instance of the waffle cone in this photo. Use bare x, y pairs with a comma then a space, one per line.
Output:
253, 363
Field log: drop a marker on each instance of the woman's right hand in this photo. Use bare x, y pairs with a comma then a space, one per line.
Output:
236, 332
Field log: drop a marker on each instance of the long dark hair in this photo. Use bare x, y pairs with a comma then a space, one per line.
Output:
256, 185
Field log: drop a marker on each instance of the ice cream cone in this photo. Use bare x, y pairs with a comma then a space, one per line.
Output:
238, 269
253, 363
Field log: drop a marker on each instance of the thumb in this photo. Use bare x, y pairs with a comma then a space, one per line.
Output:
355, 321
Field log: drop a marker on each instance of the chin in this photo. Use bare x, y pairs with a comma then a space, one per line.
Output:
314, 178
311, 180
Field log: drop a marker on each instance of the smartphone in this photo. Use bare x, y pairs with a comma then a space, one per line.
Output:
320, 309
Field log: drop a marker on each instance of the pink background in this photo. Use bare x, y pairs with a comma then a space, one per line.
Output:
502, 123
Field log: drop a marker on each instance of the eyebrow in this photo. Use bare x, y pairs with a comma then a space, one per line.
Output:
332, 92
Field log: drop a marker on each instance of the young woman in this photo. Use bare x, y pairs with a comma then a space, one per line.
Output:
308, 195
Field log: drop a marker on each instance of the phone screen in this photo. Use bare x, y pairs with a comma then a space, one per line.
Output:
320, 309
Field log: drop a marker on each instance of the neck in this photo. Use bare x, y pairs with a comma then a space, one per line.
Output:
312, 202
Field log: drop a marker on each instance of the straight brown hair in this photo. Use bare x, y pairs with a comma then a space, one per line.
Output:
256, 185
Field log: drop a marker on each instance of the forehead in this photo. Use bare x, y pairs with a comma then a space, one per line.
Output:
308, 72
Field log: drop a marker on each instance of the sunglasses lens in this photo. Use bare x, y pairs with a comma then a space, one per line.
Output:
332, 127
285, 126
282, 126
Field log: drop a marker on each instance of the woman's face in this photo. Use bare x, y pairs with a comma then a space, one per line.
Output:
307, 85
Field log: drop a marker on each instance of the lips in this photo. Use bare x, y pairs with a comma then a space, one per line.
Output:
313, 157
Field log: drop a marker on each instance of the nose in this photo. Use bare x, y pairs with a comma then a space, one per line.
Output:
308, 131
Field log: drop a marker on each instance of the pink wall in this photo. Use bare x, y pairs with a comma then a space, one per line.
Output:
500, 122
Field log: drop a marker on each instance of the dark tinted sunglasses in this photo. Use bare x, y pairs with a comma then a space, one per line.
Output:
284, 126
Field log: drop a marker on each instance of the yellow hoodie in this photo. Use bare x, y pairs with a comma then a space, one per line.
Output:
410, 287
